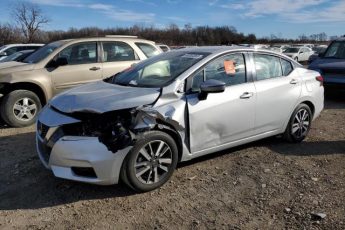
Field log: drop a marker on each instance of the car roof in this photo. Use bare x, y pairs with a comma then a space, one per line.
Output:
340, 39
28, 44
109, 38
221, 49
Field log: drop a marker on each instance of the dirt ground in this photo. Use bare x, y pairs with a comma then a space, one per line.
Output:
269, 184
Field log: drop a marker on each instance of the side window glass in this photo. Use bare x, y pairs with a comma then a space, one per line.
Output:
118, 51
148, 50
81, 53
229, 69
267, 66
286, 66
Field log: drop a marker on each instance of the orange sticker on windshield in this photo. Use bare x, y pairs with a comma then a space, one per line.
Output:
229, 67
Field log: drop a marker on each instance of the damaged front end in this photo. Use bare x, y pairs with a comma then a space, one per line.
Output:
82, 141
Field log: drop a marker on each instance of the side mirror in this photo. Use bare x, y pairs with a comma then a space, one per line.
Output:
61, 61
211, 86
3, 54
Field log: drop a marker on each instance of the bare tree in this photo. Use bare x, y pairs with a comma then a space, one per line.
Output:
30, 19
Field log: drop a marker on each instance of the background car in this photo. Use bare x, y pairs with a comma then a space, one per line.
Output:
331, 64
318, 50
175, 107
276, 49
7, 50
18, 56
164, 48
61, 65
298, 53
279, 48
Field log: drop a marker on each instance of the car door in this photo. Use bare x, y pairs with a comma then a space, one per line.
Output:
116, 57
222, 117
82, 66
278, 88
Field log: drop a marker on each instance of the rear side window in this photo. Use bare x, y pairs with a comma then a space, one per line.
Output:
118, 51
286, 67
148, 50
267, 67
80, 53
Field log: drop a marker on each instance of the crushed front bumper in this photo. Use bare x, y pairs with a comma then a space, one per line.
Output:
82, 152
68, 156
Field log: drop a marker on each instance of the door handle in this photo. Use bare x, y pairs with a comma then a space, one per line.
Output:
94, 68
294, 81
246, 95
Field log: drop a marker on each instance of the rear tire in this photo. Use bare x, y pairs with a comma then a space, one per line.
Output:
19, 108
299, 124
151, 162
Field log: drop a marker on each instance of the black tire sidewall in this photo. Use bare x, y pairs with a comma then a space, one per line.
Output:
8, 102
129, 169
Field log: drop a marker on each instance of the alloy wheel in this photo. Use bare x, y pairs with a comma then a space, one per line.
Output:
25, 109
153, 162
301, 122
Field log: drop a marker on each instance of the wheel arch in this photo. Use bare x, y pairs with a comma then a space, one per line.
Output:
174, 134
30, 86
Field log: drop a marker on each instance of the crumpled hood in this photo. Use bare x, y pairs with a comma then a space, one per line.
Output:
13, 66
101, 97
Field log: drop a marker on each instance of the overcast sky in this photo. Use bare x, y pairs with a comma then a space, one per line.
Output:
288, 18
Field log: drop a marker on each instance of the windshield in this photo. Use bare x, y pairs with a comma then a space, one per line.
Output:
291, 50
336, 50
159, 70
43, 52
319, 49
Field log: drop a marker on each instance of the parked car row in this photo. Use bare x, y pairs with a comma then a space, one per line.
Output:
143, 111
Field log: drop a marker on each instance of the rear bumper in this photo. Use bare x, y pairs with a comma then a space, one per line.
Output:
82, 152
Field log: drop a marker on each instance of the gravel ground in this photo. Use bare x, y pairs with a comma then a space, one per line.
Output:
269, 184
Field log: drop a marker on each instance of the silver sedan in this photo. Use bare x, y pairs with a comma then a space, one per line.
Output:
137, 125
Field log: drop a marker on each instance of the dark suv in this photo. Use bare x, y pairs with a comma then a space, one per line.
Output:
331, 64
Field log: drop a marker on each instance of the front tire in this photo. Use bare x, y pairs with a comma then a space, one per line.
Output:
19, 108
299, 124
151, 162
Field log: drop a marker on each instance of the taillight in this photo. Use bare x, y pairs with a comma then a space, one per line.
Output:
320, 79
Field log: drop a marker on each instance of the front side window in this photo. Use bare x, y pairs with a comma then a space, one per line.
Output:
81, 53
267, 66
158, 71
229, 69
118, 51
148, 50
336, 50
